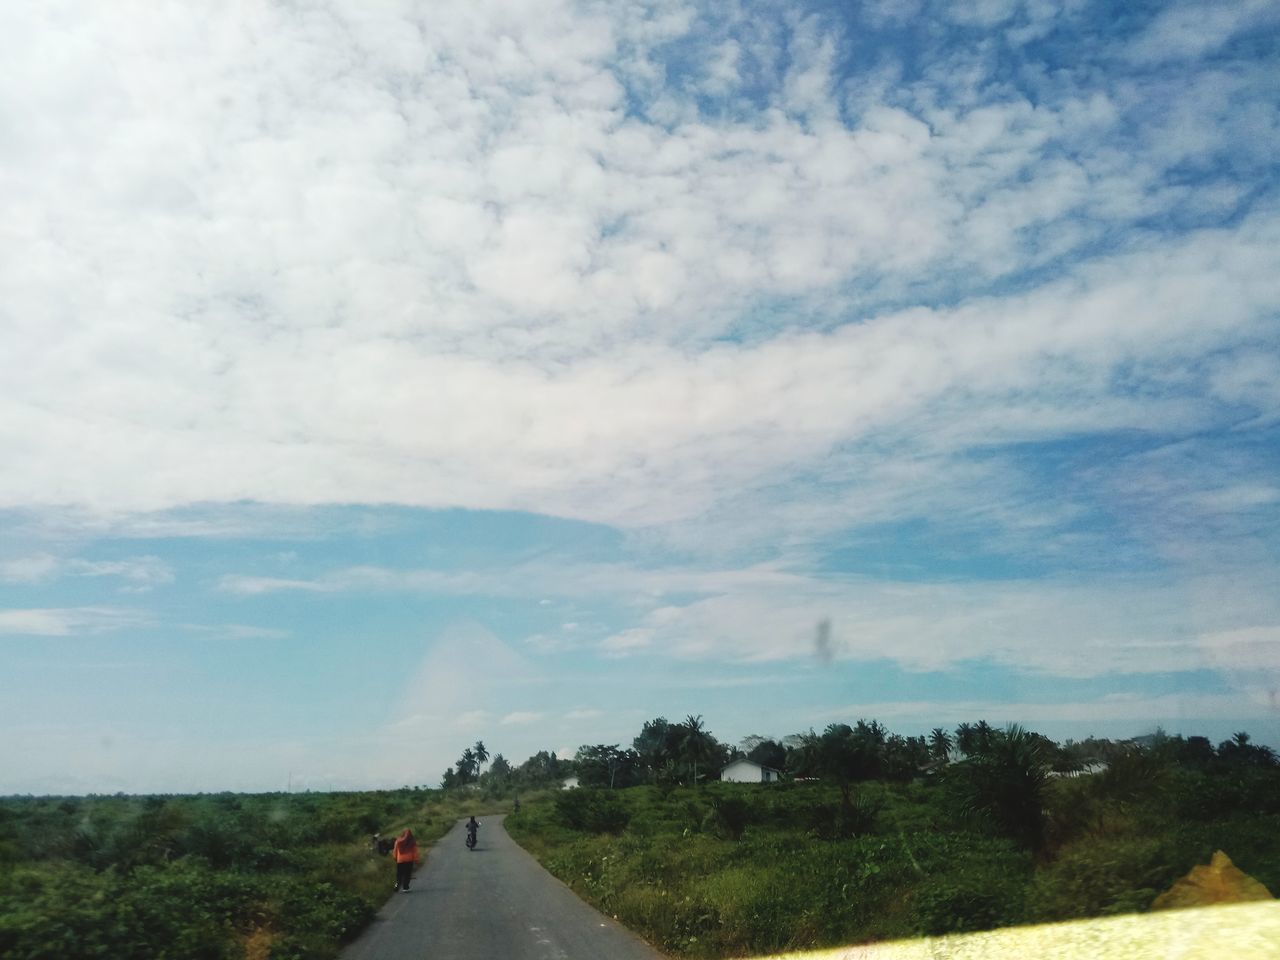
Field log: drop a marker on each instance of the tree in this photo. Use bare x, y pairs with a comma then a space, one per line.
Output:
481, 754
543, 768
1008, 782
500, 769
983, 735
901, 757
695, 742
604, 765
1239, 751
765, 751
940, 744
657, 746
844, 755
467, 766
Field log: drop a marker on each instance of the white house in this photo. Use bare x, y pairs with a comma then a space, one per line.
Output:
748, 771
569, 783
1088, 769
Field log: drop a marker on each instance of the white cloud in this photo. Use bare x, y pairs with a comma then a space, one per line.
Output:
1082, 625
521, 718
1250, 658
456, 272
67, 621
1240, 496
985, 13
236, 631
723, 70
141, 573
472, 719
1192, 29
31, 569
251, 586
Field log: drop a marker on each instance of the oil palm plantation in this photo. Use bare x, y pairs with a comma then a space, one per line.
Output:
1007, 783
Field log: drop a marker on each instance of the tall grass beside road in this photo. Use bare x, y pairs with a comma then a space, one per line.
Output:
735, 869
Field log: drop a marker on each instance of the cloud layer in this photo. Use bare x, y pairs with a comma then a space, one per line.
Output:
904, 332
518, 258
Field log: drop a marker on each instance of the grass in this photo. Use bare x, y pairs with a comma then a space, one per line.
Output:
214, 877
732, 870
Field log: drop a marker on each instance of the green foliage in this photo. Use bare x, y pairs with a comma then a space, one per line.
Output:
1005, 779
730, 815
1106, 875
1225, 792
736, 869
591, 810
196, 876
603, 765
946, 906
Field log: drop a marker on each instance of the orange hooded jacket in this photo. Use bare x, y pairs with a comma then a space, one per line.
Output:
406, 848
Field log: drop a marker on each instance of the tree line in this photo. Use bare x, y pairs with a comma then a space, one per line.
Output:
685, 752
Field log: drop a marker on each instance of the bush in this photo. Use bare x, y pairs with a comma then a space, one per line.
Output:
730, 816
592, 811
957, 907
192, 877
1105, 875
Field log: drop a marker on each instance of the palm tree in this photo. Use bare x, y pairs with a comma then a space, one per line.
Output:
654, 745
939, 744
1008, 782
482, 755
964, 738
983, 735
696, 742
467, 766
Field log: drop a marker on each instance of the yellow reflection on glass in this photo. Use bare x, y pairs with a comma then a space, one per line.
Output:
1248, 931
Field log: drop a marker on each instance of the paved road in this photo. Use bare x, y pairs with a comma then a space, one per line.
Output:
493, 903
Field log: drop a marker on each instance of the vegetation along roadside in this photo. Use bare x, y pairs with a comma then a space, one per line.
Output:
866, 844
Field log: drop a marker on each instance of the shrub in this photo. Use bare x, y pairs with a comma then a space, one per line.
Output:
956, 907
592, 811
1105, 875
729, 816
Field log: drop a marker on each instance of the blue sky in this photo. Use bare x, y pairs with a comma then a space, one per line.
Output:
374, 381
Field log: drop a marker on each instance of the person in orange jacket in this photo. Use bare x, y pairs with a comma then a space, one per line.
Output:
406, 853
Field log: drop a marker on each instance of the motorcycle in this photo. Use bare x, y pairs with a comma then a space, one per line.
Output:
471, 839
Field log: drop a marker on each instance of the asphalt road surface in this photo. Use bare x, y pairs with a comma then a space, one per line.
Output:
492, 903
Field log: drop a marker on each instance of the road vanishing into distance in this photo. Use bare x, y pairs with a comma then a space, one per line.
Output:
493, 903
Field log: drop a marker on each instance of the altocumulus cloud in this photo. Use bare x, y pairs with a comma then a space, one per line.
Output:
561, 258
720, 276
68, 621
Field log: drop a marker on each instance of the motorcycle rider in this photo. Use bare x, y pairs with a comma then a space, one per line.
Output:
472, 826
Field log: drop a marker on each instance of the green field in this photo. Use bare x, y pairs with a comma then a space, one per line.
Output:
736, 869
867, 846
209, 877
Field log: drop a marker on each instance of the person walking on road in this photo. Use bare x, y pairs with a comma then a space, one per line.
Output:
406, 854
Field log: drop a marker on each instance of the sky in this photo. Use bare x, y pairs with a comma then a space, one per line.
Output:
378, 378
